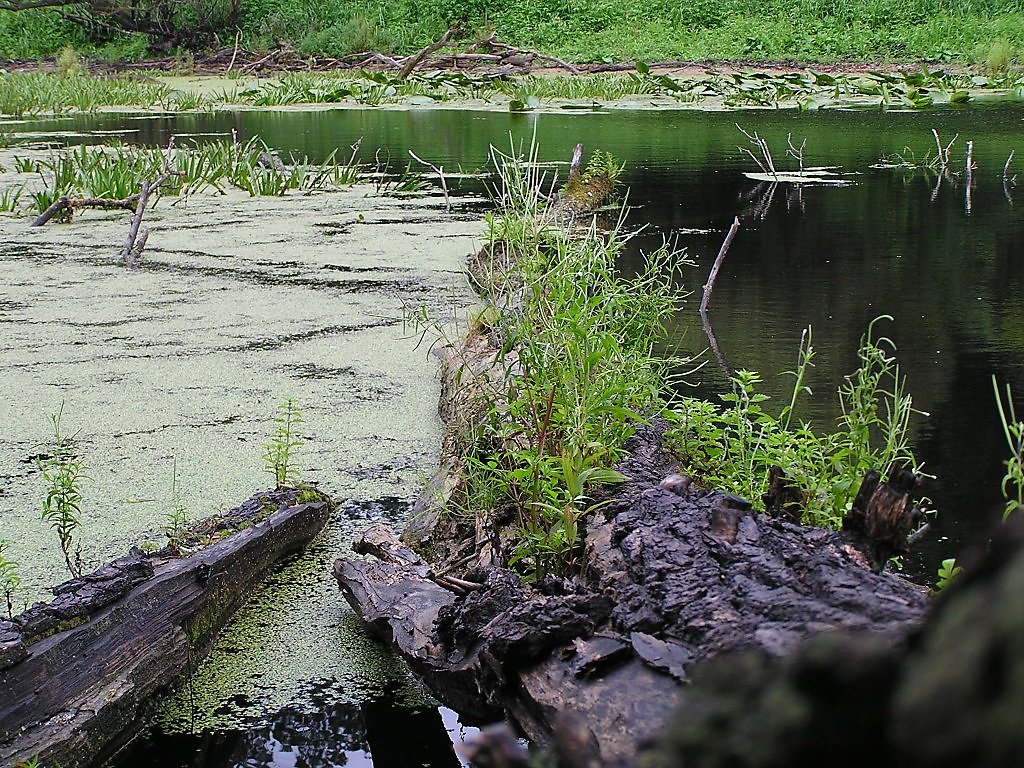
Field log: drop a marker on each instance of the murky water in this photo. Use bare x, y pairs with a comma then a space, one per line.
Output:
829, 257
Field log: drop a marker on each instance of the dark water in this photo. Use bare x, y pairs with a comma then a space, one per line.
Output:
829, 257
378, 732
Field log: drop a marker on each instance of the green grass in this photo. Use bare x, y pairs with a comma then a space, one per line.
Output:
26, 94
983, 31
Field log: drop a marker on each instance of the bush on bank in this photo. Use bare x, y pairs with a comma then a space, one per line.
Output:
983, 31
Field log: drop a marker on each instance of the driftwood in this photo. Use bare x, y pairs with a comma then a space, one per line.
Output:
64, 205
79, 673
413, 61
671, 575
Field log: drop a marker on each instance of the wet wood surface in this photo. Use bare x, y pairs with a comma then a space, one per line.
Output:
671, 575
79, 674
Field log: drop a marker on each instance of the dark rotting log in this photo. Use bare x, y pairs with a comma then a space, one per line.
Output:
884, 515
784, 499
80, 673
672, 575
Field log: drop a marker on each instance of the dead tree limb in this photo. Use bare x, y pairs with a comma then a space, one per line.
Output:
439, 170
413, 61
718, 265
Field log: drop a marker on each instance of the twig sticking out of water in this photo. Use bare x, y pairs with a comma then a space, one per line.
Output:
968, 176
795, 152
765, 163
709, 286
439, 170
943, 152
131, 253
1007, 179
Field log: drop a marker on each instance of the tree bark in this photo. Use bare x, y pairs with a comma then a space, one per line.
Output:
672, 575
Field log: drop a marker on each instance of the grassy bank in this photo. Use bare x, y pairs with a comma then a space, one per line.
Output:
988, 32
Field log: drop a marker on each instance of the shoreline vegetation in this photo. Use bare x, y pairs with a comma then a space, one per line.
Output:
40, 93
558, 370
986, 32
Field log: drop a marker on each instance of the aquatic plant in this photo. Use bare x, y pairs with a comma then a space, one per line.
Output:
279, 450
734, 448
9, 199
63, 471
1013, 429
10, 581
32, 93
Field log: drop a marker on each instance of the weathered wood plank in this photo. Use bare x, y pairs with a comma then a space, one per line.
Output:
80, 692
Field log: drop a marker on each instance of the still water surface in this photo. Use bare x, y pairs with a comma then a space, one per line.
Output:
890, 242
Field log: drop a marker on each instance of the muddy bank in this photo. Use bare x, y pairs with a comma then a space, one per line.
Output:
239, 302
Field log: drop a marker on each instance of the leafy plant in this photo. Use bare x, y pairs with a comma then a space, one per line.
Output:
279, 451
734, 448
10, 581
948, 571
579, 372
1013, 429
64, 473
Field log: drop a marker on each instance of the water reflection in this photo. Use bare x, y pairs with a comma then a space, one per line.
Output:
378, 732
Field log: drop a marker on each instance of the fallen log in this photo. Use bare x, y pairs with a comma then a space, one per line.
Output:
79, 673
672, 575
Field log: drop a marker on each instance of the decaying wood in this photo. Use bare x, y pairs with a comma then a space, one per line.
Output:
79, 674
883, 515
65, 204
413, 61
673, 574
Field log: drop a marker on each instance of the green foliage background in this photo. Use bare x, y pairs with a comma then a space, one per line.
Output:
592, 30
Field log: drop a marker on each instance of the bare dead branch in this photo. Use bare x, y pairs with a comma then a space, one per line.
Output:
718, 265
414, 60
439, 170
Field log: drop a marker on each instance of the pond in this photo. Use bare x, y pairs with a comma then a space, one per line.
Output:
892, 241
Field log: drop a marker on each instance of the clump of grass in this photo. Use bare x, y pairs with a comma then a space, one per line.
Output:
735, 447
63, 471
69, 62
285, 440
1013, 429
9, 199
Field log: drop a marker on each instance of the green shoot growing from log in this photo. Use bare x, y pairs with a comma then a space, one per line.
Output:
10, 581
64, 472
177, 517
1013, 429
279, 451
